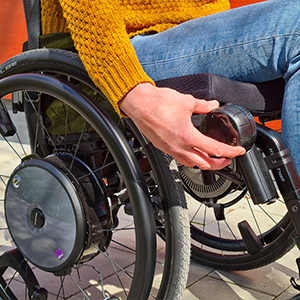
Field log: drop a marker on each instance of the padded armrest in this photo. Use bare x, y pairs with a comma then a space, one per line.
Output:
259, 98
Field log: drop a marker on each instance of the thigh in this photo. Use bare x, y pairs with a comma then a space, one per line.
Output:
250, 43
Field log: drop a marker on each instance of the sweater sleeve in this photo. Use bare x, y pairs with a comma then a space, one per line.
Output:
100, 36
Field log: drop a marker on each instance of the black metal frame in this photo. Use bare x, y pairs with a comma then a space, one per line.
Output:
32, 11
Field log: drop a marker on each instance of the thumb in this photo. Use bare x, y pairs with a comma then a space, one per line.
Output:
203, 106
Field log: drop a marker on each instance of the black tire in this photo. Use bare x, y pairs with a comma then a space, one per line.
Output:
216, 238
170, 207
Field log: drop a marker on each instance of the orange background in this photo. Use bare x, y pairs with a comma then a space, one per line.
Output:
12, 28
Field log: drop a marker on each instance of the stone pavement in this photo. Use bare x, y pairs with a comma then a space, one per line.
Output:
267, 283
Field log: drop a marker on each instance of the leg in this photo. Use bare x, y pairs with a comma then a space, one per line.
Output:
255, 43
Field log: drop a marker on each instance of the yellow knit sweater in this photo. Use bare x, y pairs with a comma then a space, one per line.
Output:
101, 30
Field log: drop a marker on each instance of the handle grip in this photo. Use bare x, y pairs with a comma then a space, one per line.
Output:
235, 125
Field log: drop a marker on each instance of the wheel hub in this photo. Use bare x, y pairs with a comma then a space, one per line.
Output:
196, 183
37, 218
53, 218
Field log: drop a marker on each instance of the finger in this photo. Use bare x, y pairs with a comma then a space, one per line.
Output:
205, 162
182, 160
214, 147
204, 107
194, 158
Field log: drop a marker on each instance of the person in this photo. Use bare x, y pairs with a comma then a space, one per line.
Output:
127, 45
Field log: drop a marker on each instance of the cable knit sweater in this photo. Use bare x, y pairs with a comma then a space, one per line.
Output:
101, 30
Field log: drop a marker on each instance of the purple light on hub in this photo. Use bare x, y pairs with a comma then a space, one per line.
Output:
59, 254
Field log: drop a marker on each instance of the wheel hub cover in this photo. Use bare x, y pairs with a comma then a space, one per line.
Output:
193, 182
44, 215
37, 218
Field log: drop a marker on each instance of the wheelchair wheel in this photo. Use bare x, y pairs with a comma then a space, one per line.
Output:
104, 225
228, 231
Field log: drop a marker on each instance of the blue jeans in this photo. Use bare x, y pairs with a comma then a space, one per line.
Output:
255, 43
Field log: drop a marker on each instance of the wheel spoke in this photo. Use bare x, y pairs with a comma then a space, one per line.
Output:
1, 177
196, 213
117, 273
97, 170
104, 162
39, 123
101, 278
10, 145
270, 217
124, 246
13, 276
82, 291
77, 146
61, 287
253, 215
113, 263
234, 236
21, 144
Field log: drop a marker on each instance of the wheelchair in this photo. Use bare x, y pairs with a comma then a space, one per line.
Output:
92, 209
109, 179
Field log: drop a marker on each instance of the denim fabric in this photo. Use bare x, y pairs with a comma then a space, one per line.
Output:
254, 43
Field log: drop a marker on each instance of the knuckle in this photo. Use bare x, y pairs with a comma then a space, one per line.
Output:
186, 139
174, 150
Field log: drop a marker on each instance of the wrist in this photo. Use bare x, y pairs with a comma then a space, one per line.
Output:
136, 99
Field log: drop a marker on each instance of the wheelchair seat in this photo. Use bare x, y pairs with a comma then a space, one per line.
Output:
262, 99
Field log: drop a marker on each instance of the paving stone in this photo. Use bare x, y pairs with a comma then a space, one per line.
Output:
272, 279
210, 288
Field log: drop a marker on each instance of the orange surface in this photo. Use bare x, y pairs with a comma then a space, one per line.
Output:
13, 31
237, 3
12, 28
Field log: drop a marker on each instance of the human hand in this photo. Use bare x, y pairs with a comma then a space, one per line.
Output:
164, 117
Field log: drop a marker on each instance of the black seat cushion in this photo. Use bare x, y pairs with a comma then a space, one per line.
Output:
260, 98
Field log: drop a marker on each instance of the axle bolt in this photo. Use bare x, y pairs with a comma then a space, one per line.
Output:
16, 182
295, 208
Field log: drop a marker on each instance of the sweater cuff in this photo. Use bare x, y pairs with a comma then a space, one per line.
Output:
119, 78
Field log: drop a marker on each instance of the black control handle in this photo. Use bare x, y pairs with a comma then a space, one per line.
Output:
235, 125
